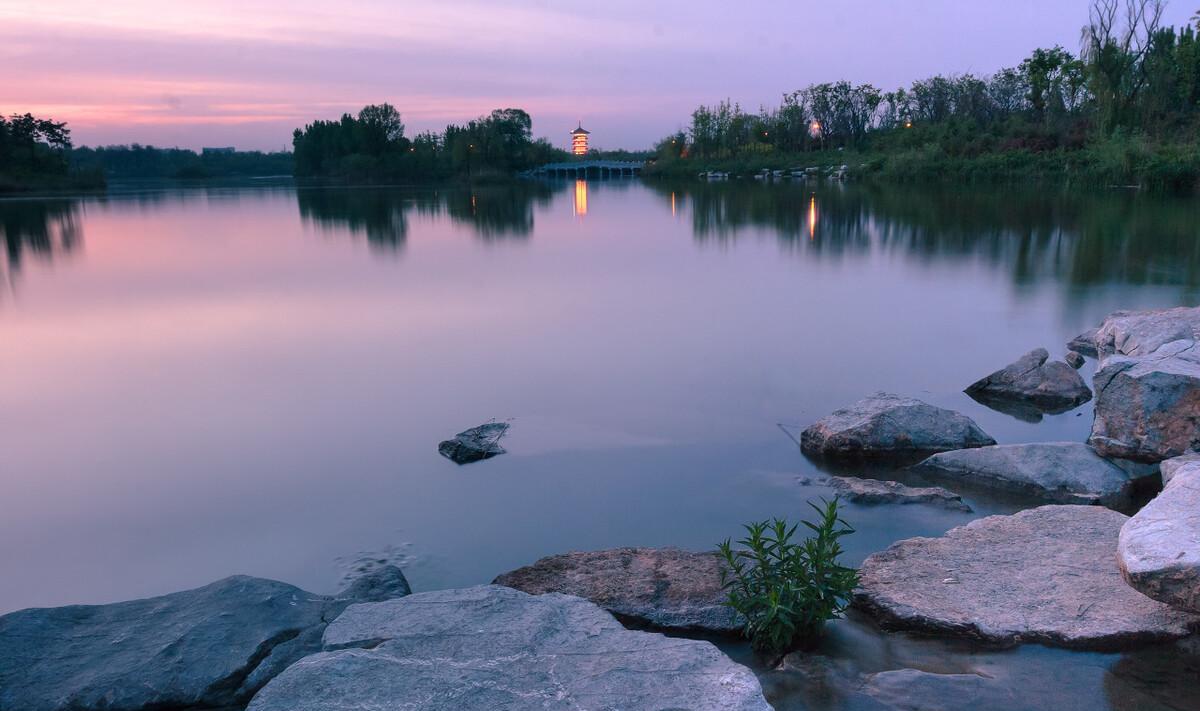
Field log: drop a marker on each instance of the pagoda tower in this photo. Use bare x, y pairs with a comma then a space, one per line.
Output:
579, 141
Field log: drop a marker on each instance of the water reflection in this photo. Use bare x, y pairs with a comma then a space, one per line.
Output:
581, 199
1077, 239
382, 214
42, 228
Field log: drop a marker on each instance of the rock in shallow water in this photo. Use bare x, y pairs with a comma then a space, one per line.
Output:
1138, 333
891, 425
475, 444
492, 648
1148, 406
663, 587
1047, 575
1053, 386
1058, 472
1074, 359
1159, 547
877, 491
209, 647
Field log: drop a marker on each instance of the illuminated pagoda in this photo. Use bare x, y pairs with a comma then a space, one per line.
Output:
579, 139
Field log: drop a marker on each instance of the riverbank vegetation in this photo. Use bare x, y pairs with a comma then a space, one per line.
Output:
34, 156
372, 147
1126, 110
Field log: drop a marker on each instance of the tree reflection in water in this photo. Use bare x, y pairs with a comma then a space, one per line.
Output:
41, 228
1075, 238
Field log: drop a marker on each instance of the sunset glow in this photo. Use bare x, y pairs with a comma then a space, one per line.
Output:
248, 73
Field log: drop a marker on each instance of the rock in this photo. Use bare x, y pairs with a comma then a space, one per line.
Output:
1138, 333
1052, 386
475, 444
1074, 359
662, 587
1148, 406
1169, 468
1159, 548
209, 647
1057, 472
876, 491
1045, 575
494, 648
1085, 343
891, 425
913, 690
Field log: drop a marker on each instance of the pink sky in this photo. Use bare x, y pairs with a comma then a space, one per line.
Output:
246, 72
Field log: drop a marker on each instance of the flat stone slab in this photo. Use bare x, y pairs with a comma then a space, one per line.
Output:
1148, 406
666, 588
492, 648
1047, 575
1169, 467
475, 444
1137, 333
891, 425
1159, 548
1053, 386
209, 647
878, 491
1057, 472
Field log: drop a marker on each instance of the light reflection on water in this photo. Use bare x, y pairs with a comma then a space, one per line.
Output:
209, 381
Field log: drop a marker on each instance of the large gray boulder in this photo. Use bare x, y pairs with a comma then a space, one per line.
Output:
492, 648
1047, 575
878, 491
1139, 333
475, 444
1053, 386
666, 588
1159, 548
209, 647
891, 425
1148, 406
1056, 472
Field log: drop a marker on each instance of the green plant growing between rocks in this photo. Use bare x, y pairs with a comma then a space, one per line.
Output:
787, 591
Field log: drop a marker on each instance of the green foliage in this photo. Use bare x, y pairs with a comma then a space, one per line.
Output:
1126, 110
33, 154
372, 147
786, 590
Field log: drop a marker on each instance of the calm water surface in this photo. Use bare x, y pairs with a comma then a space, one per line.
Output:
216, 380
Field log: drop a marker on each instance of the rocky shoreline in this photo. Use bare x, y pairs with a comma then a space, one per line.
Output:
584, 629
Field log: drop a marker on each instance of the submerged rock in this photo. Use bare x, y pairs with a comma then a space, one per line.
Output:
1053, 386
662, 587
914, 690
492, 648
1057, 472
877, 491
475, 444
1046, 575
891, 425
1170, 467
1159, 548
1148, 406
209, 647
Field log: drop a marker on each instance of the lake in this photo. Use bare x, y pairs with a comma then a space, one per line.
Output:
253, 378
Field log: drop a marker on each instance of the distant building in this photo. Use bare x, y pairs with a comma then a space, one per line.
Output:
579, 141
222, 149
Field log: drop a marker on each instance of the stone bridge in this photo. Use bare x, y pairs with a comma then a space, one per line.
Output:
590, 169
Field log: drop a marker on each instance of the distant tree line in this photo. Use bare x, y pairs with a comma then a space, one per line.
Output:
138, 161
34, 154
1133, 90
372, 147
